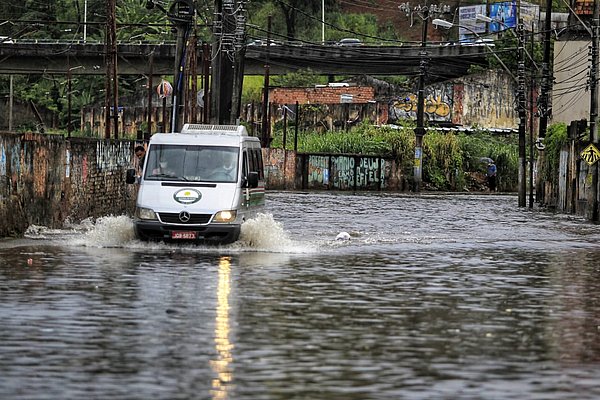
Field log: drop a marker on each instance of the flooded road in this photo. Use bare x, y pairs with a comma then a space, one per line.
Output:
433, 297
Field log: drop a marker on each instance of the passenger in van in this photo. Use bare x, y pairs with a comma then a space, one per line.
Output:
163, 169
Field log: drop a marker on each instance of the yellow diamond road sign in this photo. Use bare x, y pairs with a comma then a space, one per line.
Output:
590, 154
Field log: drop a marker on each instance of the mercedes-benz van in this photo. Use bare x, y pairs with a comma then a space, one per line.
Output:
199, 185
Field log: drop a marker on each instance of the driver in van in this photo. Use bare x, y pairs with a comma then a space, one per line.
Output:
220, 166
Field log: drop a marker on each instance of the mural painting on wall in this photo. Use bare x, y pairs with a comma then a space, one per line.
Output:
318, 170
438, 105
367, 172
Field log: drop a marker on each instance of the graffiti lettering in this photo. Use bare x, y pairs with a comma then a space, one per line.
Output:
111, 157
318, 170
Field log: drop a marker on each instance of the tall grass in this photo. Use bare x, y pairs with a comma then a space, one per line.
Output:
449, 160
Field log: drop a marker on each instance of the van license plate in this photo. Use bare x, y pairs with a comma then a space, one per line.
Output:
184, 235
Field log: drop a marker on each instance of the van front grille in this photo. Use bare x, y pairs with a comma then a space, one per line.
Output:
195, 219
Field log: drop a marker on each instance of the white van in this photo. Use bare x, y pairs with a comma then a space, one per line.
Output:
199, 185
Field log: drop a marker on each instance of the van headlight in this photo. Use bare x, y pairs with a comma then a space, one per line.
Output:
145, 213
225, 216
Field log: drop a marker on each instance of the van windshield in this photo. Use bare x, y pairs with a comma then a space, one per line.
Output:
192, 163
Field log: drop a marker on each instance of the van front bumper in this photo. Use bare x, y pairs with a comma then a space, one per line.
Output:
212, 233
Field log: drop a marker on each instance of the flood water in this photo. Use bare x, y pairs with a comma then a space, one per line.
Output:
433, 297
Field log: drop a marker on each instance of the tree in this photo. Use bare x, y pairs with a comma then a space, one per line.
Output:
290, 13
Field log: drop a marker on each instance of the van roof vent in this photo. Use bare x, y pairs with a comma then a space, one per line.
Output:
214, 129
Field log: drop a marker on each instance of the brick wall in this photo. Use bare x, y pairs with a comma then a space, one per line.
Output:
321, 95
47, 180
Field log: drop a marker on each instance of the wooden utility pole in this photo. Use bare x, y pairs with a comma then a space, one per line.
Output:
10, 104
266, 134
111, 70
150, 90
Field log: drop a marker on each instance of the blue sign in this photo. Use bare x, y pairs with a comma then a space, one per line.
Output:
504, 16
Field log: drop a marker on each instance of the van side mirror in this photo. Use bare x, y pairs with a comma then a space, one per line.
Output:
130, 176
251, 180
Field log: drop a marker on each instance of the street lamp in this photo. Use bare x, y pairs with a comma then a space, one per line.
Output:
423, 12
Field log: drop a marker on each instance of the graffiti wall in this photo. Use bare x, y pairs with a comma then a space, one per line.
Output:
352, 172
438, 103
486, 99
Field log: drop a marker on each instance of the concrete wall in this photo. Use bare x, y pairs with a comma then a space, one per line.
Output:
47, 180
486, 100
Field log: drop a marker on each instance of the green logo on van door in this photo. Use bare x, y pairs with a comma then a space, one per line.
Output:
187, 196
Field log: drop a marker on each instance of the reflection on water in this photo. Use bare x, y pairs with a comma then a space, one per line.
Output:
222, 344
433, 297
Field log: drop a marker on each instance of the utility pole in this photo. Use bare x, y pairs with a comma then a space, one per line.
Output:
181, 14
543, 106
532, 78
229, 28
10, 104
546, 86
424, 12
522, 113
420, 129
111, 69
148, 132
266, 134
593, 215
323, 22
69, 90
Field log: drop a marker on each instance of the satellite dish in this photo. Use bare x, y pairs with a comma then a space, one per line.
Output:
200, 98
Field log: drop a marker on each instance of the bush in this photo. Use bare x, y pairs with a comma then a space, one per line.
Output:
556, 138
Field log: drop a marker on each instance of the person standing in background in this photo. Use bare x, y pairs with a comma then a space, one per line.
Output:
491, 176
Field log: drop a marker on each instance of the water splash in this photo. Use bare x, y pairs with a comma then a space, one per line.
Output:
260, 234
265, 234
109, 231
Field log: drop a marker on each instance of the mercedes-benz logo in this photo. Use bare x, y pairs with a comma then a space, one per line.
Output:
184, 216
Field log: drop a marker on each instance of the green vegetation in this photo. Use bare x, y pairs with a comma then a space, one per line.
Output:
556, 138
450, 161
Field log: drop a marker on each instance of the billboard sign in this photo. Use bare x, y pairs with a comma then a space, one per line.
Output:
504, 16
467, 19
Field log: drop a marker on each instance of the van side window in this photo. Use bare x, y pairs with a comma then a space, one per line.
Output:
245, 164
259, 165
256, 164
